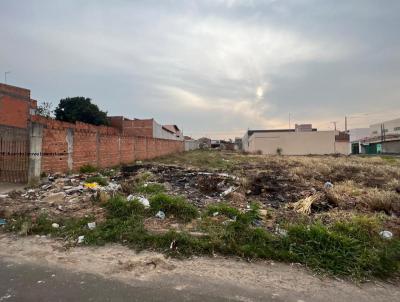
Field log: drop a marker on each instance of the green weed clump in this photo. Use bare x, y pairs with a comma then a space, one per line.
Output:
173, 205
150, 188
118, 207
222, 209
345, 249
87, 169
102, 181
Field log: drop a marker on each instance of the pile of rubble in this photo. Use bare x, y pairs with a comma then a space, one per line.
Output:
199, 187
76, 196
59, 194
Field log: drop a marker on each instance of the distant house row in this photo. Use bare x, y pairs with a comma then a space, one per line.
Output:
379, 138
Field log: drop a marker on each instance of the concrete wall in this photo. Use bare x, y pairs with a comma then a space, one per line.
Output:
392, 127
391, 147
192, 145
245, 142
297, 143
160, 132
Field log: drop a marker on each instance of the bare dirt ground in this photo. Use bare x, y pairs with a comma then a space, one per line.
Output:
232, 279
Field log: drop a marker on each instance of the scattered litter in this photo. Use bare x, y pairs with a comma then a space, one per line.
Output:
328, 185
91, 225
173, 245
258, 223
3, 196
228, 191
55, 225
73, 190
281, 232
2, 221
144, 201
40, 282
226, 222
386, 234
81, 239
92, 185
215, 214
54, 197
161, 215
112, 187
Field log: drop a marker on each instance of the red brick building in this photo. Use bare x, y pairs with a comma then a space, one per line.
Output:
16, 106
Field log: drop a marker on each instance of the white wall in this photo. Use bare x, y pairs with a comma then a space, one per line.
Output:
160, 132
245, 142
297, 143
192, 145
375, 129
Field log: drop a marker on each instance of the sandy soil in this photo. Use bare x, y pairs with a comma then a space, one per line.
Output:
264, 279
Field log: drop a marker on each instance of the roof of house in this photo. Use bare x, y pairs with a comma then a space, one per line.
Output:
172, 128
168, 130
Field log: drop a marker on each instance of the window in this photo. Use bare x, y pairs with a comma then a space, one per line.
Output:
396, 129
374, 132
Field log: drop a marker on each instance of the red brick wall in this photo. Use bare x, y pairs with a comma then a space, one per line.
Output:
54, 150
138, 127
96, 145
13, 112
84, 151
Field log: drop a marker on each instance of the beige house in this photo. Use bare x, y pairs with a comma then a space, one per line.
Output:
299, 141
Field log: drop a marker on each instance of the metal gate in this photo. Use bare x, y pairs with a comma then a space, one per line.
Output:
14, 148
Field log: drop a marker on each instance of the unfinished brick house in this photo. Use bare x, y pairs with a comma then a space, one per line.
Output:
145, 128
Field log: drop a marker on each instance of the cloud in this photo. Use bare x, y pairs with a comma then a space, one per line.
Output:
234, 64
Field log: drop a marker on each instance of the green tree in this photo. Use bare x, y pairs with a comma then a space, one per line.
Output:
80, 109
44, 109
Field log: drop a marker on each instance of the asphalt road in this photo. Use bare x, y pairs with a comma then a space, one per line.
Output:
27, 282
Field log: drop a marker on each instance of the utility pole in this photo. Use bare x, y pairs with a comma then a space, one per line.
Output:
289, 120
334, 140
345, 124
5, 76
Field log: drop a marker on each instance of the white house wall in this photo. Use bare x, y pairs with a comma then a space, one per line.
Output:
297, 143
160, 132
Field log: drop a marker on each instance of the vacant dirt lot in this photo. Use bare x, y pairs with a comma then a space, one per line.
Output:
307, 209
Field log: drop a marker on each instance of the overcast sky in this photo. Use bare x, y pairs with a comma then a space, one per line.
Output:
212, 67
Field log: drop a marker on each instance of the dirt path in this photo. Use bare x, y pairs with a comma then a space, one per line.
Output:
227, 278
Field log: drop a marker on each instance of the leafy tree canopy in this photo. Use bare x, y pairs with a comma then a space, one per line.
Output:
80, 109
44, 109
